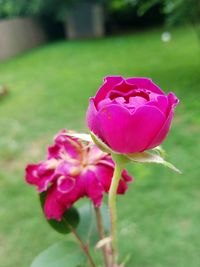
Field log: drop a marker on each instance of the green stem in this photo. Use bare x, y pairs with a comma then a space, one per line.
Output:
100, 227
83, 246
112, 208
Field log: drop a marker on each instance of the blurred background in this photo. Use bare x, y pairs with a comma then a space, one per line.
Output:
53, 57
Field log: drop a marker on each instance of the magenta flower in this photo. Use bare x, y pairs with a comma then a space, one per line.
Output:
73, 170
131, 115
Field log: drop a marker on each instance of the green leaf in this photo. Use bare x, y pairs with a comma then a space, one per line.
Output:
62, 254
87, 228
148, 157
70, 217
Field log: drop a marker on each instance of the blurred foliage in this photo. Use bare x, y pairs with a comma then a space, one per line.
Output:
55, 8
121, 4
176, 11
10, 8
124, 15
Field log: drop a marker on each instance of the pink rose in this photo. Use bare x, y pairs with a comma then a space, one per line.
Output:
131, 115
73, 170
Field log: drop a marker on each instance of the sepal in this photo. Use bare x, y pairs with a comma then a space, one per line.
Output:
150, 157
156, 155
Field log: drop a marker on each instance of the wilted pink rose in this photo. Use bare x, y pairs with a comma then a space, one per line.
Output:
73, 169
131, 115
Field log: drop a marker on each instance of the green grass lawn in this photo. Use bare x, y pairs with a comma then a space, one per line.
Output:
49, 90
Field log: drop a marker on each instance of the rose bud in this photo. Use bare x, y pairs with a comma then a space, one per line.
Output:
131, 115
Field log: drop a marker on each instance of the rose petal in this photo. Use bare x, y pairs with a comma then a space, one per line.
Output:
91, 116
104, 174
65, 184
53, 209
109, 83
161, 135
68, 145
66, 168
93, 188
53, 152
161, 102
41, 179
104, 102
32, 176
68, 199
173, 101
95, 155
125, 132
137, 101
145, 83
123, 87
126, 176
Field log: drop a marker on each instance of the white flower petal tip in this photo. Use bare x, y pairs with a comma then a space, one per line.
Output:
82, 136
103, 242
